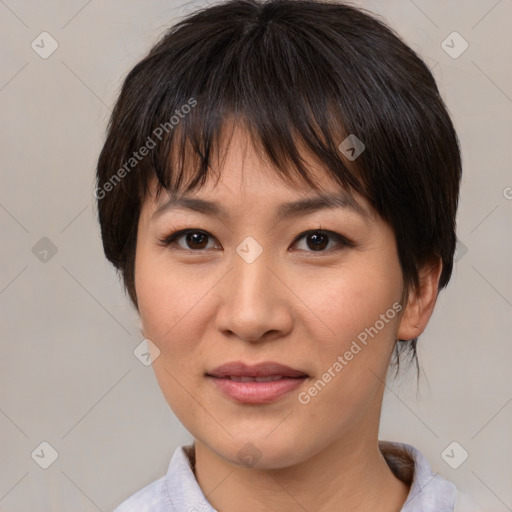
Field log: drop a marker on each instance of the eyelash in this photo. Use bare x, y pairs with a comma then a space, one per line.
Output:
342, 241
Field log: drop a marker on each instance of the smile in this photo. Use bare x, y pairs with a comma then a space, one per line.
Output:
259, 383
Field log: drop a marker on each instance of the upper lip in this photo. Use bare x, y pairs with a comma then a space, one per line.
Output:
264, 369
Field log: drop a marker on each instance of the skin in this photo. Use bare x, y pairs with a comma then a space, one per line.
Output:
205, 306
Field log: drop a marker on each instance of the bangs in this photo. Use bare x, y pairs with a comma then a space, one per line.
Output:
307, 81
273, 82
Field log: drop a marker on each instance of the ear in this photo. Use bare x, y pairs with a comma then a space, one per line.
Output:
140, 326
421, 302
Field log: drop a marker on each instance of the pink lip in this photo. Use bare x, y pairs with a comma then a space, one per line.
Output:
256, 392
265, 369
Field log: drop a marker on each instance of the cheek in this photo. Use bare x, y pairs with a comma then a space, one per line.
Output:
167, 306
172, 315
348, 302
358, 309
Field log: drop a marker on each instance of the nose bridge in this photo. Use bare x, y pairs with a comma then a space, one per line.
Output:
252, 304
251, 275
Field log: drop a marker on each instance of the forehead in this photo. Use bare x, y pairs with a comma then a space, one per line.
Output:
241, 172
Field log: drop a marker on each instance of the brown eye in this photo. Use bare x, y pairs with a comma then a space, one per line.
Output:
194, 240
318, 240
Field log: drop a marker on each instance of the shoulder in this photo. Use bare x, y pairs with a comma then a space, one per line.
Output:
429, 491
177, 491
464, 503
150, 498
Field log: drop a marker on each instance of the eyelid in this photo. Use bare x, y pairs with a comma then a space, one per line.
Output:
170, 239
342, 240
332, 234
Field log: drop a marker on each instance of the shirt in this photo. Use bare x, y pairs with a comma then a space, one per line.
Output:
179, 491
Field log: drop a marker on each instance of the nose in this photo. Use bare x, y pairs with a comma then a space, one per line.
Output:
254, 301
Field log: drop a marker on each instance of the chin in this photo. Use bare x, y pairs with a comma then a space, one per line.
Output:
260, 452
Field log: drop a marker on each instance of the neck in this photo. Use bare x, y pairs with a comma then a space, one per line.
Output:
351, 471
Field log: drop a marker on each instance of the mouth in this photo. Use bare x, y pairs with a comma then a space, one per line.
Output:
256, 384
270, 378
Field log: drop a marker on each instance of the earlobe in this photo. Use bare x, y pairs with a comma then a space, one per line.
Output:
421, 302
140, 326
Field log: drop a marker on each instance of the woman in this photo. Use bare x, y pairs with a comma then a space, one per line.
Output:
278, 189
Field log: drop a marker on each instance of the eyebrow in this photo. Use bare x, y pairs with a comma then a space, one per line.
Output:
284, 211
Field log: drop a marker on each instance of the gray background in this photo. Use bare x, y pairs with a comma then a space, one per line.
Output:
68, 374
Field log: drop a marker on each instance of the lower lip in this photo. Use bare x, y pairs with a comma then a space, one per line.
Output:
257, 392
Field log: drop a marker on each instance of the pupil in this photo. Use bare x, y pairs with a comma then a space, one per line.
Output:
319, 241
195, 239
316, 241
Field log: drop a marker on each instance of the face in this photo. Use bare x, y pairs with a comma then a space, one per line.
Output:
314, 288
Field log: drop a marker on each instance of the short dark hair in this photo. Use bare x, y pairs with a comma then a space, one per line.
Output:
293, 71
